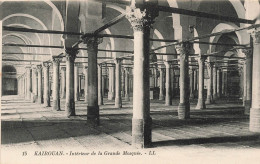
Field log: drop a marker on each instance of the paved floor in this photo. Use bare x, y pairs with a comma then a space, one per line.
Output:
218, 134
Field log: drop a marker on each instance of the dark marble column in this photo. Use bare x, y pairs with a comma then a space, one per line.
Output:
127, 97
100, 95
86, 83
168, 95
63, 82
28, 83
161, 96
209, 99
76, 81
118, 99
34, 85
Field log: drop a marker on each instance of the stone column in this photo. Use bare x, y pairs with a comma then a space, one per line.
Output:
63, 82
191, 72
28, 83
92, 108
127, 84
141, 121
56, 85
168, 95
184, 106
249, 69
123, 82
118, 99
161, 96
254, 124
34, 85
201, 101
100, 95
219, 83
70, 103
111, 93
195, 82
209, 99
244, 83
224, 82
46, 74
214, 82
40, 92
76, 81
86, 84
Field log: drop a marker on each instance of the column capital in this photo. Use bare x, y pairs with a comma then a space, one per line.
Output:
117, 60
255, 33
248, 52
138, 18
183, 49
46, 64
210, 65
56, 59
63, 68
71, 54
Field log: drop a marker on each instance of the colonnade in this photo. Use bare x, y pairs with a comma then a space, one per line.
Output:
34, 86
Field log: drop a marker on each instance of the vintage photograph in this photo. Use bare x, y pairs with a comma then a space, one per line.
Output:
130, 81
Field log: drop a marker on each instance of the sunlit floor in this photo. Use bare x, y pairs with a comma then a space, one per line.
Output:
210, 133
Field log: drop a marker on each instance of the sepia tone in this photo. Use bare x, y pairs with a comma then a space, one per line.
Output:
151, 81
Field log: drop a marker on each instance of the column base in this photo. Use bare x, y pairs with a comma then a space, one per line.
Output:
247, 106
40, 100
192, 96
168, 103
111, 96
215, 97
93, 115
34, 98
161, 97
141, 133
184, 110
86, 99
56, 105
254, 123
100, 102
70, 108
127, 97
118, 103
201, 104
47, 102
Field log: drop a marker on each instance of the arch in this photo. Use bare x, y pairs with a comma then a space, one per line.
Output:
176, 21
112, 42
163, 50
196, 46
20, 36
31, 17
117, 8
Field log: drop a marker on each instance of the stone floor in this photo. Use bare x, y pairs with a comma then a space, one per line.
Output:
218, 134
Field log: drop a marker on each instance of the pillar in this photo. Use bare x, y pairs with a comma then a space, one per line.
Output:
63, 82
86, 84
191, 71
56, 85
214, 82
219, 81
201, 101
70, 103
161, 96
127, 87
184, 105
46, 74
92, 108
123, 82
40, 91
249, 69
168, 95
244, 83
141, 121
224, 82
118, 99
100, 95
111, 93
209, 99
28, 83
195, 83
34, 85
254, 123
76, 81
